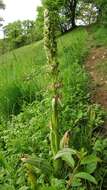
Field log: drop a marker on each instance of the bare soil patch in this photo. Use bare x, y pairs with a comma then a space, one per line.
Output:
99, 80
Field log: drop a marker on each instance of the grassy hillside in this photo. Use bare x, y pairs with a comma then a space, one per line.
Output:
24, 85
23, 74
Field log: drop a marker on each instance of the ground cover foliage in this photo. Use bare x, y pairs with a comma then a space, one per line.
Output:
27, 132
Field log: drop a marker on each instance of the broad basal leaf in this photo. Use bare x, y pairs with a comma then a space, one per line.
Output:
69, 160
90, 159
64, 151
86, 176
90, 168
39, 163
76, 182
66, 155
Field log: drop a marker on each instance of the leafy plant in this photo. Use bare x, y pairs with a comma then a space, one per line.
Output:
78, 171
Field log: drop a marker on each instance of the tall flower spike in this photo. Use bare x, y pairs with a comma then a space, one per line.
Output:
50, 45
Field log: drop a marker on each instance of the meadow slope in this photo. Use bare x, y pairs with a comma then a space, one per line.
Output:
23, 72
25, 107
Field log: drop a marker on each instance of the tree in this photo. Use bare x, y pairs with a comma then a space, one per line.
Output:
71, 9
101, 6
39, 23
66, 10
13, 34
65, 13
2, 6
53, 4
19, 33
86, 12
28, 28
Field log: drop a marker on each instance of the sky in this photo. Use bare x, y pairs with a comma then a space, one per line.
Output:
19, 10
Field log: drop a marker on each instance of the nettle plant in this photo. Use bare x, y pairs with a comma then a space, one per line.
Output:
73, 167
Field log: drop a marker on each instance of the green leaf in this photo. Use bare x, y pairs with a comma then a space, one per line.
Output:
90, 168
82, 188
86, 176
90, 159
24, 188
66, 155
64, 151
39, 163
69, 160
2, 160
76, 182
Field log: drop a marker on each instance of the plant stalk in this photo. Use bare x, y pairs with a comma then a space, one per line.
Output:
50, 45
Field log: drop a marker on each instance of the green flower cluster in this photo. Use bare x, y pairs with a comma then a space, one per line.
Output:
51, 53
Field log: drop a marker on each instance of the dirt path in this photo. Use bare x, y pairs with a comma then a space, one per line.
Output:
96, 59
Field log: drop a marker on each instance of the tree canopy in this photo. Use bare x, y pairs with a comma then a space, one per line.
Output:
2, 6
72, 12
69, 13
19, 33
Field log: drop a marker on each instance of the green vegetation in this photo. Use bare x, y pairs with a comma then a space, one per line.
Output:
19, 33
98, 34
21, 70
28, 134
18, 73
68, 12
50, 130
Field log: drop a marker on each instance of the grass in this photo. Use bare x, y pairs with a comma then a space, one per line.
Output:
23, 75
20, 80
98, 33
24, 80
25, 70
21, 70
